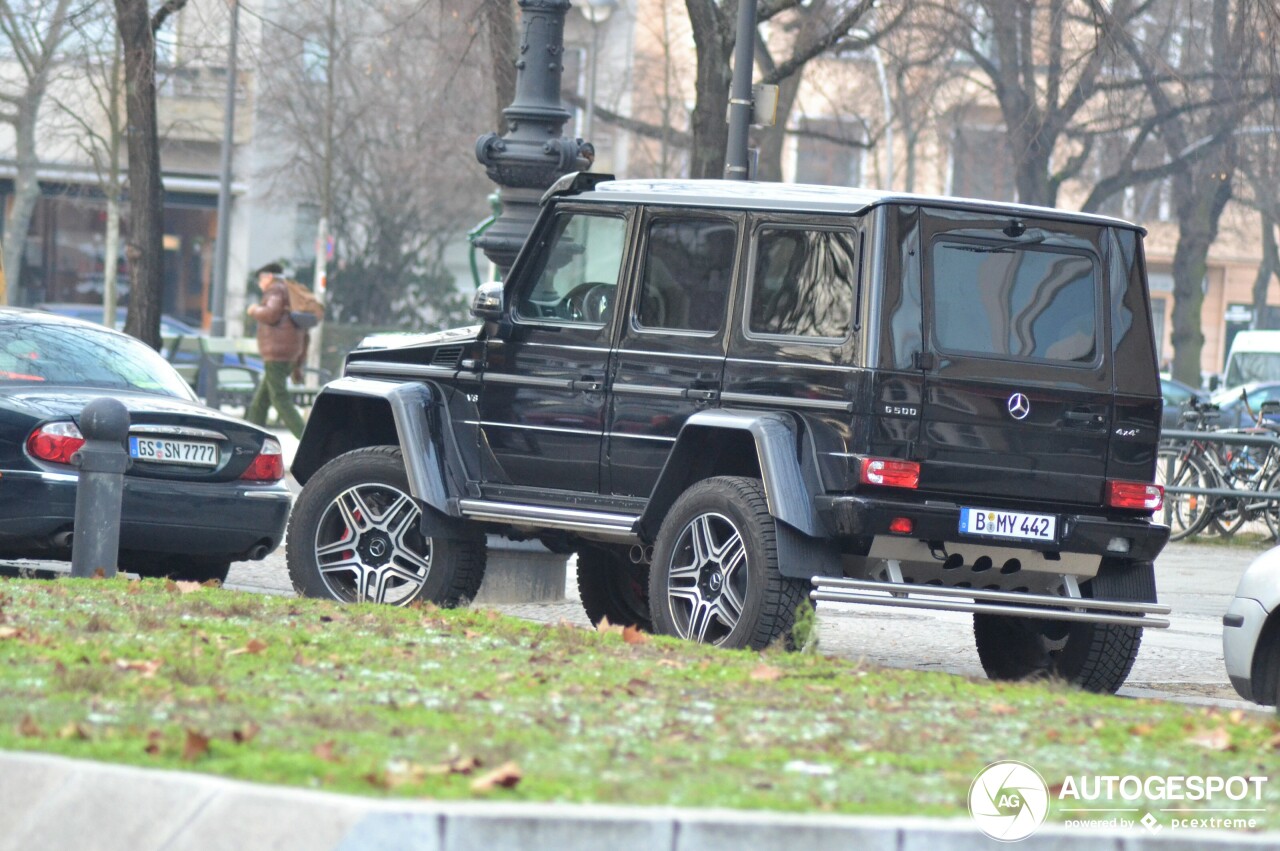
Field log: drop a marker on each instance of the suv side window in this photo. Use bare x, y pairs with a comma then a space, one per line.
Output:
1010, 301
688, 268
803, 283
578, 276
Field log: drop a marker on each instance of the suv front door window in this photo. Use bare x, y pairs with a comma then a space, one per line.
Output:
542, 395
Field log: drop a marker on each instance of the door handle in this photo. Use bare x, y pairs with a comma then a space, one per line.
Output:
702, 394
588, 384
1086, 417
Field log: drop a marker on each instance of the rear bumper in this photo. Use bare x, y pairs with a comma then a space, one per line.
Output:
865, 516
187, 518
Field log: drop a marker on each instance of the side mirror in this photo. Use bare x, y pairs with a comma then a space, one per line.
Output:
487, 304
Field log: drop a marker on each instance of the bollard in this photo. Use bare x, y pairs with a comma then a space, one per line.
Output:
102, 462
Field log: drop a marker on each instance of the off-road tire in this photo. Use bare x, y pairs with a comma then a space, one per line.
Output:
1095, 657
612, 587
727, 506
455, 565
1264, 676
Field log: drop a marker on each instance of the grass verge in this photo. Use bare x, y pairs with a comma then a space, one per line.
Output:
460, 704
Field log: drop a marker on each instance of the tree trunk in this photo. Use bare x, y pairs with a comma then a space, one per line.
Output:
500, 22
26, 191
1200, 194
111, 251
1270, 266
144, 250
714, 37
773, 139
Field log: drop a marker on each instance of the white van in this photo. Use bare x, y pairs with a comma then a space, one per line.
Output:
1255, 356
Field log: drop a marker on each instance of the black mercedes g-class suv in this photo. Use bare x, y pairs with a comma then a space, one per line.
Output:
727, 396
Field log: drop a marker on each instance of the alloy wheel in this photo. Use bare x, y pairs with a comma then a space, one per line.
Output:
369, 546
707, 579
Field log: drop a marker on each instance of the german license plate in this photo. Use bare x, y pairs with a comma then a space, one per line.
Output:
162, 450
1008, 524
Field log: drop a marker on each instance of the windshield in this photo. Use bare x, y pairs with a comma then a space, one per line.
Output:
42, 354
1248, 367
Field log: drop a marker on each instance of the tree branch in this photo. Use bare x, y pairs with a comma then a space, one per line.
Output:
168, 8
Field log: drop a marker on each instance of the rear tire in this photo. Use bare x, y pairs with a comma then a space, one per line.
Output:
355, 536
714, 577
1095, 657
612, 587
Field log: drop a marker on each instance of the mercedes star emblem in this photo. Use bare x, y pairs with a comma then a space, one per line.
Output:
1019, 406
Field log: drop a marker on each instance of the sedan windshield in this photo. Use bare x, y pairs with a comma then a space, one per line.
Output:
42, 354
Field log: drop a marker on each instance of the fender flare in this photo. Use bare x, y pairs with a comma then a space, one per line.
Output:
788, 469
417, 412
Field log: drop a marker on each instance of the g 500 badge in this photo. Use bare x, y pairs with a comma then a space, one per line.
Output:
901, 411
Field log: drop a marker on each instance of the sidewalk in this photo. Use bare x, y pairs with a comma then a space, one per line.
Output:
55, 803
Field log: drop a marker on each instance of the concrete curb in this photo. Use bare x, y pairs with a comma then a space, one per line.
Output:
49, 802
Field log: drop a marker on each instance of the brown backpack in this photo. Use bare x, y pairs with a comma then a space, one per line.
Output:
305, 310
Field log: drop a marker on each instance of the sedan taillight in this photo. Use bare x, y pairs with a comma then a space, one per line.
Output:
55, 442
268, 466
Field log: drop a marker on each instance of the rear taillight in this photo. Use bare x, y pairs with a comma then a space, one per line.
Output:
268, 466
1137, 495
55, 442
889, 472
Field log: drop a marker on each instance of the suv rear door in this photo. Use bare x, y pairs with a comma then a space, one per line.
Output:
1017, 367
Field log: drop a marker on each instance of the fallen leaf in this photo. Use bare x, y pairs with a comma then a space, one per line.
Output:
245, 734
146, 667
196, 746
1214, 740
604, 627
254, 647
154, 738
181, 586
633, 635
1140, 730
1235, 716
73, 730
324, 751
100, 573
1274, 742
29, 728
9, 632
505, 776
670, 663
766, 673
461, 765
1002, 709
471, 633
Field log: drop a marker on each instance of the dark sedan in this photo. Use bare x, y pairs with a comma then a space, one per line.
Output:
204, 489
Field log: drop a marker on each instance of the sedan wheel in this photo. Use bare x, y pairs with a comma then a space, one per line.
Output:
356, 536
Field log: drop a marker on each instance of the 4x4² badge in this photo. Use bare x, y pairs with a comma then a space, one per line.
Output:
1019, 406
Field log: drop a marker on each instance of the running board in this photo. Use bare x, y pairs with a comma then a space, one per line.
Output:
572, 519
833, 589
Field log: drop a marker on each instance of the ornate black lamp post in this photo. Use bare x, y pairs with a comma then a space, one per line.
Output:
528, 159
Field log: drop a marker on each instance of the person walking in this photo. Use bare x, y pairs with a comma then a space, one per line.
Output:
281, 344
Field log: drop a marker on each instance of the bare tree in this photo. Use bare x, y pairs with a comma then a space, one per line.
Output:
404, 121
34, 31
137, 26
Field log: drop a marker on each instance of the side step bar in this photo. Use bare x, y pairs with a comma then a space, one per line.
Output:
1048, 607
573, 519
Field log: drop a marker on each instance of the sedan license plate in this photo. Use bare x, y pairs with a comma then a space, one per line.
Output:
1008, 524
163, 450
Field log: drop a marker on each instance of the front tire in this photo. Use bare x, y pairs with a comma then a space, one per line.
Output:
355, 536
1095, 657
714, 577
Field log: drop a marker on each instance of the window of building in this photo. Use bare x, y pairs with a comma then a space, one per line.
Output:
803, 283
687, 273
982, 164
1014, 301
832, 155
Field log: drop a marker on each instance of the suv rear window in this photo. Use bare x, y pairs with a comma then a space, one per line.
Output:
1015, 301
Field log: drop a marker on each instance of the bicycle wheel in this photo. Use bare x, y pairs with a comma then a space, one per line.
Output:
1186, 513
1271, 512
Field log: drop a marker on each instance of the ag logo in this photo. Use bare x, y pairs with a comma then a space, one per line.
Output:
1008, 800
